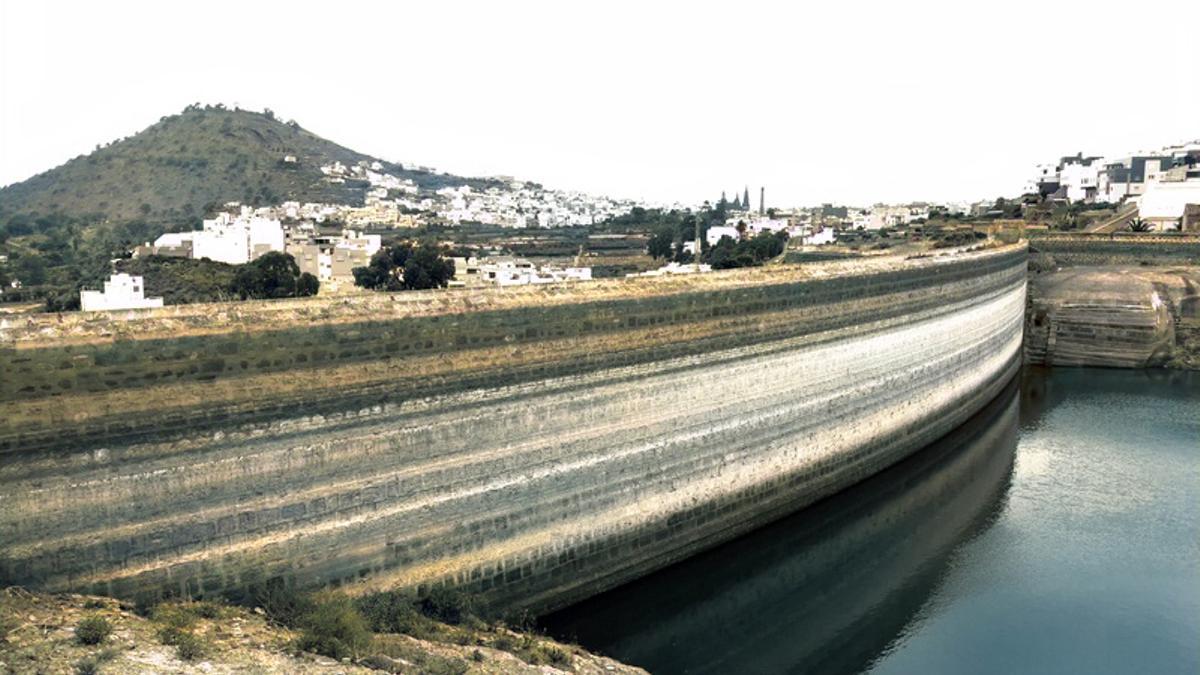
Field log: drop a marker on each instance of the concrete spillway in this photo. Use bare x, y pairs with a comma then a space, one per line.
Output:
535, 446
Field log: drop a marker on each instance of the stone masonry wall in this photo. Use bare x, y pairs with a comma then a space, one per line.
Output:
1119, 248
534, 447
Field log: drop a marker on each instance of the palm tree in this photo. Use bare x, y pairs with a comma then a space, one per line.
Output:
1139, 225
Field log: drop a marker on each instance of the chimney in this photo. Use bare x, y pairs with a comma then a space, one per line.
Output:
762, 196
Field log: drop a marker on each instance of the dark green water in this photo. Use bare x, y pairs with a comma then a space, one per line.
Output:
1056, 532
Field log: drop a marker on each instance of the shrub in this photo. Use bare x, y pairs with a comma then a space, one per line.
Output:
446, 604
554, 656
173, 615
189, 647
307, 285
334, 628
388, 612
208, 610
282, 604
93, 630
90, 665
171, 635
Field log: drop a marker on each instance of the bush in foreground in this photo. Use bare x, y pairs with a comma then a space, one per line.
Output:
93, 630
334, 628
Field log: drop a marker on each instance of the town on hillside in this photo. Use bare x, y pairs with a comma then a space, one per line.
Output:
501, 231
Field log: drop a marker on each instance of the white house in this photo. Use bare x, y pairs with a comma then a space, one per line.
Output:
1163, 202
825, 235
760, 225
717, 232
1079, 176
673, 268
229, 239
121, 291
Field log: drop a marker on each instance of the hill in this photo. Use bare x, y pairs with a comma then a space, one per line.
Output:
185, 164
60, 230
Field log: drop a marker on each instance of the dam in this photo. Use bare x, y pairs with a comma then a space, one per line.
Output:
533, 446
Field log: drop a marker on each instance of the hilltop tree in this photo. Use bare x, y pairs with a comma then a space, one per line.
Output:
274, 275
405, 267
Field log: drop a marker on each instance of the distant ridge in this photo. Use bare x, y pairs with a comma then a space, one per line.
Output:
182, 166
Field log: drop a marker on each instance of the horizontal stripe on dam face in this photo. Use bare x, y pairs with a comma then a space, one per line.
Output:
530, 486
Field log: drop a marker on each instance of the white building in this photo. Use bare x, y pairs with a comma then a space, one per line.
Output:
717, 232
331, 257
825, 235
1079, 177
1163, 202
883, 215
761, 224
229, 239
121, 291
505, 271
673, 268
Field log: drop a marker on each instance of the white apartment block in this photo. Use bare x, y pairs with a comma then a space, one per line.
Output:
235, 240
1163, 203
121, 291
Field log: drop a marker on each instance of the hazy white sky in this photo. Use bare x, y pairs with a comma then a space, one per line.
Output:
819, 102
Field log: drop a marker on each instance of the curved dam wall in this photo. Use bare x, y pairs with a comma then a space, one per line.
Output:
532, 445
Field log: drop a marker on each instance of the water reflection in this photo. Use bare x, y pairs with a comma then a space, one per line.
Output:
825, 590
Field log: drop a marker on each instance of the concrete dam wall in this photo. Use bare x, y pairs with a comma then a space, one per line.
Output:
534, 446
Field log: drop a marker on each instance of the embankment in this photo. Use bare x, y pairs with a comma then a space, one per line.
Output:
534, 446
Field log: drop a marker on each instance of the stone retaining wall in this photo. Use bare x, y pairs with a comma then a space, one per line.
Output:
1118, 249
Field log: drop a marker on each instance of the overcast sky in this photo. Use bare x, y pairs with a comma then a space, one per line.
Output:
842, 101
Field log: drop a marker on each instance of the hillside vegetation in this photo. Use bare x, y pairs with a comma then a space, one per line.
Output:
184, 165
61, 229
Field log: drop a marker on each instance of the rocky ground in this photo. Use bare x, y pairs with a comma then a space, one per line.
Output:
40, 633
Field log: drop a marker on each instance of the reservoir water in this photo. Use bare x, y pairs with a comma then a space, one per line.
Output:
1056, 532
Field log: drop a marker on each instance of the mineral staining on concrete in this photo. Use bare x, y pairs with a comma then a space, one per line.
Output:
534, 446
